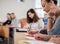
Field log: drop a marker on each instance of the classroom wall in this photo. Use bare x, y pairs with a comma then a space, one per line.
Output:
19, 8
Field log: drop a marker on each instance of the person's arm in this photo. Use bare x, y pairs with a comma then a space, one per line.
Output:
27, 26
7, 22
49, 24
44, 36
53, 13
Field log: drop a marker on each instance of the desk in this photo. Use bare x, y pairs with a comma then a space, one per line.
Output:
18, 36
4, 31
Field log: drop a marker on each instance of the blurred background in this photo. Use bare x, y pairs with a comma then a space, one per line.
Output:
20, 7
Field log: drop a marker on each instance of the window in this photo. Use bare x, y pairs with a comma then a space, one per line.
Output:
58, 3
38, 8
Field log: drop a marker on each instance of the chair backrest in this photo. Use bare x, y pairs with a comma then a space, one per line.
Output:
23, 22
4, 31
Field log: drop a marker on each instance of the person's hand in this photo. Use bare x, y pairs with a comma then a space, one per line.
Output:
31, 32
38, 37
9, 26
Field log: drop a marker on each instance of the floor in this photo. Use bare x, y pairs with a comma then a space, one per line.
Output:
4, 42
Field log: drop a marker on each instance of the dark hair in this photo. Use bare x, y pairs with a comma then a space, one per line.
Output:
13, 13
8, 14
35, 18
55, 1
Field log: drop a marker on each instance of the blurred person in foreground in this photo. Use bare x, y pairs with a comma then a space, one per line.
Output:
53, 25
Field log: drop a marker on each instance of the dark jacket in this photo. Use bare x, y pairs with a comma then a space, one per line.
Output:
7, 22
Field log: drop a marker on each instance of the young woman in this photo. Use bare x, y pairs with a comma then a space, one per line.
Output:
15, 21
34, 22
14, 24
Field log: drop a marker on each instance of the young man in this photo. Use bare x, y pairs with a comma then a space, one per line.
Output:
53, 28
50, 6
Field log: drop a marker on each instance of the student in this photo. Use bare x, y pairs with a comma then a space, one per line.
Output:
34, 22
54, 16
53, 28
14, 25
15, 22
45, 19
7, 22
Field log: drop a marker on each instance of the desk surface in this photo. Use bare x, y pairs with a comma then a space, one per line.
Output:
21, 36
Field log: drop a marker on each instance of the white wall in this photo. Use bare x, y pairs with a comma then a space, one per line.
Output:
18, 8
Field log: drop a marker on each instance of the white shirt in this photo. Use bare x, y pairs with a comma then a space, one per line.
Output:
38, 25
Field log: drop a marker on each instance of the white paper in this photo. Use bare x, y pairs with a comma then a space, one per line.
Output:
36, 42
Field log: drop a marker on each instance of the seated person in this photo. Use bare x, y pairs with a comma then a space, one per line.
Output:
45, 19
15, 22
7, 22
34, 22
53, 11
14, 25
